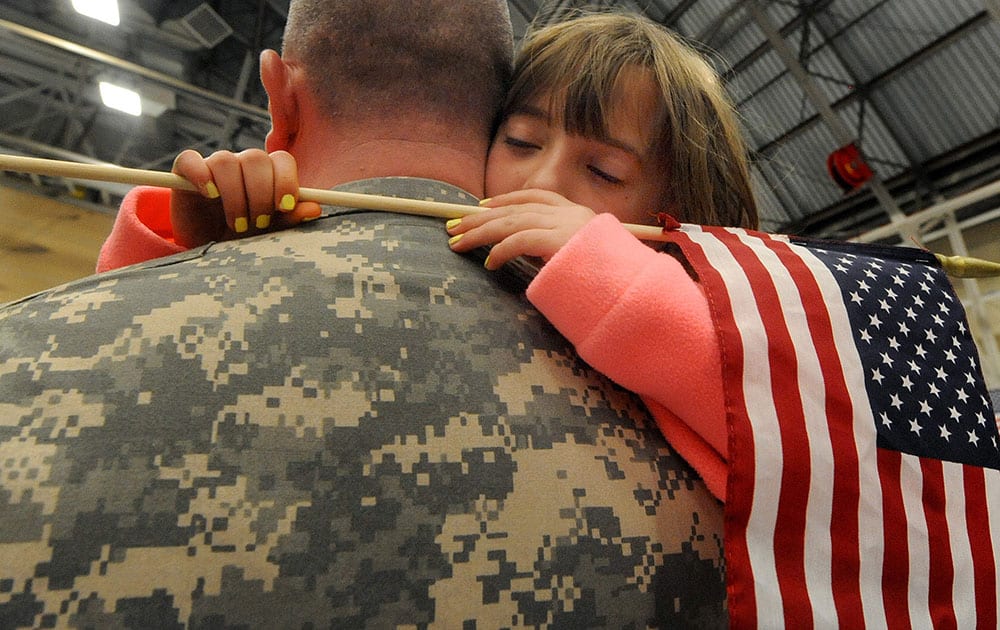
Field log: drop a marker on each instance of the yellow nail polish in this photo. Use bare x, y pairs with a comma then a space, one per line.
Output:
455, 239
240, 225
263, 221
483, 202
212, 190
486, 263
452, 223
288, 202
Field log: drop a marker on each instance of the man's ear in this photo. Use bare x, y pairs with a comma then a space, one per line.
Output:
282, 102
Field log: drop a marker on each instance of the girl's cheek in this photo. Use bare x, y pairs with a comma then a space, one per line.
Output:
503, 175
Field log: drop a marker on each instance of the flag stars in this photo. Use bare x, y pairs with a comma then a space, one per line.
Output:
939, 373
863, 286
856, 297
866, 336
945, 433
875, 321
962, 395
910, 313
898, 280
925, 407
914, 367
877, 376
896, 402
934, 390
915, 426
949, 355
943, 308
871, 274
886, 359
903, 328
919, 301
884, 305
889, 293
920, 352
907, 383
931, 337
954, 413
885, 420
937, 319
893, 343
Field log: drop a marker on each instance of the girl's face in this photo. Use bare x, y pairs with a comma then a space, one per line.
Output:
621, 174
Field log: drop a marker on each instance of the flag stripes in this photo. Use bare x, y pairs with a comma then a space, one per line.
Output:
826, 526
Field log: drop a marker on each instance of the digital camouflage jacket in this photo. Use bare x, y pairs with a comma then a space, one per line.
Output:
340, 425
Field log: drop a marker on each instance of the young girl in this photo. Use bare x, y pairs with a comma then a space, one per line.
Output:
610, 118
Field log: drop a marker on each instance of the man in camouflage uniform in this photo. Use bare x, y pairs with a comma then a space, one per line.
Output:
339, 425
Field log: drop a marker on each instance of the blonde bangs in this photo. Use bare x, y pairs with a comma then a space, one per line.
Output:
559, 62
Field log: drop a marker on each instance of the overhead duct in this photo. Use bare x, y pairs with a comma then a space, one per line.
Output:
206, 26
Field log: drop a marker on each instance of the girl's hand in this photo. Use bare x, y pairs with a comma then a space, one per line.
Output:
238, 195
522, 223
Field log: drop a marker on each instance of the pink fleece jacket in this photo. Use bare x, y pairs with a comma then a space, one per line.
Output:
631, 312
142, 230
635, 315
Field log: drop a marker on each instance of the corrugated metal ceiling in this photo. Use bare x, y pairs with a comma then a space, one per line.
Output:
915, 82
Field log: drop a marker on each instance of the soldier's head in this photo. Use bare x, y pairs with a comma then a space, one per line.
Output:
446, 59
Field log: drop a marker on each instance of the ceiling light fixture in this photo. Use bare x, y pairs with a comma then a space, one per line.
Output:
121, 98
103, 10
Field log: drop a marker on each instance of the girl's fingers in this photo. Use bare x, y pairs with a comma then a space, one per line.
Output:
190, 165
538, 243
497, 228
303, 211
286, 181
494, 213
526, 196
228, 176
258, 181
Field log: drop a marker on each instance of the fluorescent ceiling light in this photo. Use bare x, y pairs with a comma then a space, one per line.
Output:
103, 10
122, 99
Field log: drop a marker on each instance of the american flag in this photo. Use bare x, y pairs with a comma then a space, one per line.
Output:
864, 476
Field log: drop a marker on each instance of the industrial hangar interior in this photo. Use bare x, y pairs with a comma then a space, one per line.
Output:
906, 92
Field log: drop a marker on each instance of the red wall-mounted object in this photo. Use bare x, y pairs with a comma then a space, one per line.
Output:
847, 168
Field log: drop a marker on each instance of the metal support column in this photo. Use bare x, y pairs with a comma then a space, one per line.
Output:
841, 132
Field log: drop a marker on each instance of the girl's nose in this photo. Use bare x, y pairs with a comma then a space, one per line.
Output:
547, 174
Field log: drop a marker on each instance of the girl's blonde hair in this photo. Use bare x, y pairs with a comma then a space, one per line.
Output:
581, 63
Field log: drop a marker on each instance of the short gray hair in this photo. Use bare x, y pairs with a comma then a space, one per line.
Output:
375, 58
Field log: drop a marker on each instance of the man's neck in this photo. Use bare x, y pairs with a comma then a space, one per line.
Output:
335, 156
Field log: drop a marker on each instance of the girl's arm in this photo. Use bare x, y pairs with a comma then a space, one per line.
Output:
239, 194
631, 312
141, 230
635, 315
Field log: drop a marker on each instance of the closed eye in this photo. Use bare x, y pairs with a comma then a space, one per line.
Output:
517, 143
611, 179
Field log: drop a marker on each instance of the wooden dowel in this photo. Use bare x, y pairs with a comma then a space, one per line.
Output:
140, 177
958, 266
